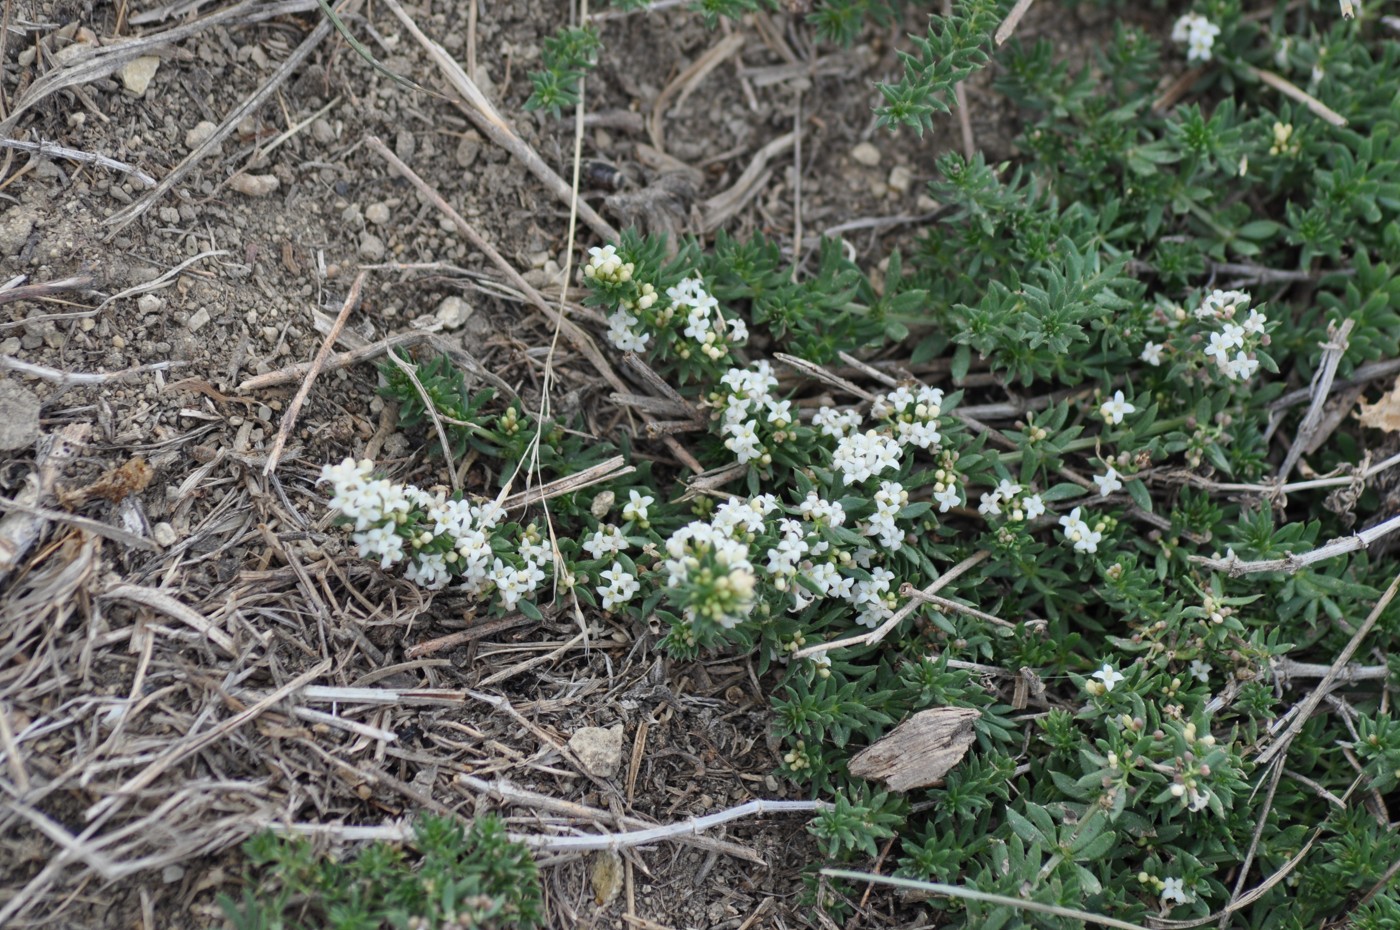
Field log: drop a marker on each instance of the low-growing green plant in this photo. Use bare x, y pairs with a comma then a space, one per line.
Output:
451, 879
1061, 414
567, 56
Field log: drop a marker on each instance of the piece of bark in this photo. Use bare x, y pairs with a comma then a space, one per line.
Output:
921, 750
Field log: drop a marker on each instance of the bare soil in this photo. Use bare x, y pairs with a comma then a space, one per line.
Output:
139, 748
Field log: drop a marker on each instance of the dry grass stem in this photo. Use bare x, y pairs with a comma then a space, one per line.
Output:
1234, 566
289, 418
1308, 431
52, 150
1304, 710
909, 606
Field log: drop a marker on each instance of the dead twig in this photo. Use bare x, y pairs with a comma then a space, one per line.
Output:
878, 634
289, 418
79, 379
1013, 19
53, 150
164, 603
1309, 703
1294, 92
1234, 566
1332, 352
10, 292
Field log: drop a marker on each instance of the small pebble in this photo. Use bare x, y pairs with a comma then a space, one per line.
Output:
198, 320
377, 213
136, 75
322, 131
199, 134
371, 247
164, 535
254, 185
19, 416
453, 312
867, 154
149, 303
901, 179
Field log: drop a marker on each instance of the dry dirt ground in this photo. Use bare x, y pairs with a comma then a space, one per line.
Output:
161, 595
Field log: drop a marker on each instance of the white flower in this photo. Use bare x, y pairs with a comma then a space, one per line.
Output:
636, 507
991, 504
1173, 891
1219, 348
606, 541
1234, 335
1034, 506
1008, 489
1109, 675
947, 498
743, 441
738, 329
1242, 367
619, 588
1200, 671
1084, 537
836, 423
1108, 482
1222, 304
1114, 409
1152, 353
1199, 35
1255, 322
860, 456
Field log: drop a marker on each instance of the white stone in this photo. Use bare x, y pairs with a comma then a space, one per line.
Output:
136, 74
867, 154
377, 213
371, 247
149, 303
164, 535
599, 749
199, 134
198, 320
901, 179
453, 312
254, 185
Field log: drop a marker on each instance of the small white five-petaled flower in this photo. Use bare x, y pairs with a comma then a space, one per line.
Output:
1173, 890
1109, 675
1108, 482
1115, 409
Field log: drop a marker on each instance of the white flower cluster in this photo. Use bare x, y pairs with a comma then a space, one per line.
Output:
783, 558
914, 413
693, 548
692, 308
875, 598
703, 321
605, 264
750, 412
836, 424
1231, 347
1011, 501
1084, 537
1198, 34
606, 540
888, 501
861, 456
815, 508
625, 332
620, 587
380, 510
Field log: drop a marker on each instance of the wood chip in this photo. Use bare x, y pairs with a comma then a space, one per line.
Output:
921, 750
